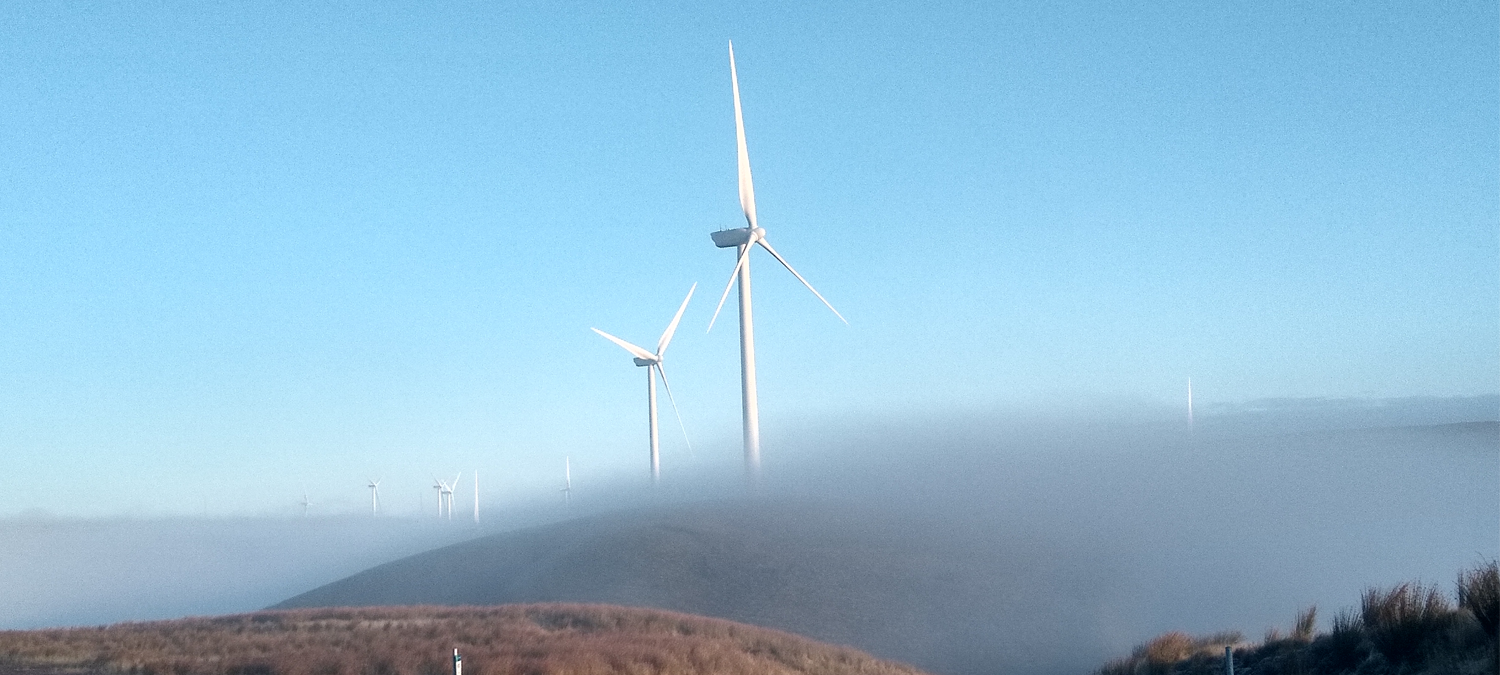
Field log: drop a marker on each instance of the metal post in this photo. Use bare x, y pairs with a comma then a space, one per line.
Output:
458, 663
1228, 660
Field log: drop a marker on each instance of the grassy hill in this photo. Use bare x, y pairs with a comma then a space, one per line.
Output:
503, 640
909, 589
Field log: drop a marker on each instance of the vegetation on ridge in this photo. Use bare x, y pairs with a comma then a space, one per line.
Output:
498, 640
1408, 629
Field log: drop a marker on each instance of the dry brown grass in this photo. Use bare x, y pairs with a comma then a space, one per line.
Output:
500, 640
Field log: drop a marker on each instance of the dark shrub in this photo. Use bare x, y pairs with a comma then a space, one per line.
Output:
1343, 648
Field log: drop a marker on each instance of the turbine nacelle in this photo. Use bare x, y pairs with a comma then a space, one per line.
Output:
737, 237
645, 362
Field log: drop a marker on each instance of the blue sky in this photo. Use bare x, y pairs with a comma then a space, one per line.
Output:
246, 249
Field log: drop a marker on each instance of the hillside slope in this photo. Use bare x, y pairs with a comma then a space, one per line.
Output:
507, 640
909, 589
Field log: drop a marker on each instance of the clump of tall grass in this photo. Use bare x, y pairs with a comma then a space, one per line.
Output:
1165, 652
1402, 622
1479, 592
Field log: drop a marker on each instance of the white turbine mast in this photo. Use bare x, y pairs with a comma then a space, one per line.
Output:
305, 502
1190, 401
567, 488
743, 239
440, 487
447, 494
374, 496
652, 362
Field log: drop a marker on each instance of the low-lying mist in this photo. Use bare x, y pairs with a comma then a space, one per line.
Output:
1122, 525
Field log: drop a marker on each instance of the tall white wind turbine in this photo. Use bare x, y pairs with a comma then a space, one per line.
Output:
305, 503
743, 239
652, 362
567, 488
440, 487
374, 496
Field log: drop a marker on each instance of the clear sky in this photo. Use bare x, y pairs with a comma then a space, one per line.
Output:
250, 248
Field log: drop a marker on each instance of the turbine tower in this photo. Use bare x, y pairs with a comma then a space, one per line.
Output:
567, 488
447, 493
438, 485
743, 239
652, 362
305, 503
1190, 401
374, 496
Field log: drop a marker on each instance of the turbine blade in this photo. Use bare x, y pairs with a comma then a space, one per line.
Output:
634, 350
666, 337
764, 244
747, 186
732, 276
663, 372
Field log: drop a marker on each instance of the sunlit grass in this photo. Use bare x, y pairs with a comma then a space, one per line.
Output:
499, 640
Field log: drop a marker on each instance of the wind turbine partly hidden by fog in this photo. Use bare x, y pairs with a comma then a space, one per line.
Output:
1190, 401
743, 239
448, 489
374, 496
653, 365
567, 488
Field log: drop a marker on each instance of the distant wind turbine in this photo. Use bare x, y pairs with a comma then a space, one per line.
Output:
652, 362
567, 489
447, 494
374, 496
744, 239
1190, 401
439, 486
305, 503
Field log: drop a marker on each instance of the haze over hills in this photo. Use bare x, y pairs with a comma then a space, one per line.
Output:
905, 587
1037, 547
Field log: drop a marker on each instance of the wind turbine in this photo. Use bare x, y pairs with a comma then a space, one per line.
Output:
305, 503
1190, 401
567, 489
652, 362
439, 486
374, 496
450, 488
743, 239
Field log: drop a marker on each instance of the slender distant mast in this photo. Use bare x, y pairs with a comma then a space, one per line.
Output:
1190, 401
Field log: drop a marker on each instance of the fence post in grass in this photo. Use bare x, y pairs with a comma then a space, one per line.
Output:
458, 663
1228, 660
